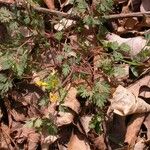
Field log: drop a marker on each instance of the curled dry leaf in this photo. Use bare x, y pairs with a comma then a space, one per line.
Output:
136, 87
136, 44
64, 118
125, 102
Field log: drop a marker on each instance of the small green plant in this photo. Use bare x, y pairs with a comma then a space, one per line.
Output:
29, 48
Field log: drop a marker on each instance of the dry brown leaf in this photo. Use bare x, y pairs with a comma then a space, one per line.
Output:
99, 143
135, 88
147, 125
50, 4
73, 104
47, 140
145, 6
71, 100
140, 145
130, 23
7, 1
135, 5
125, 103
78, 142
133, 128
33, 140
85, 121
64, 118
5, 141
145, 92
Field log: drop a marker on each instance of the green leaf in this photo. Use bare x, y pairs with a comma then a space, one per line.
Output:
117, 56
113, 45
65, 69
134, 71
3, 78
5, 15
38, 123
124, 47
58, 36
20, 67
29, 124
96, 123
101, 93
83, 92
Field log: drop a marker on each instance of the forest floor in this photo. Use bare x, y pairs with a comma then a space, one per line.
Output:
74, 74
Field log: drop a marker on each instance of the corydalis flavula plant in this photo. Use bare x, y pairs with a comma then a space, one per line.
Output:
22, 54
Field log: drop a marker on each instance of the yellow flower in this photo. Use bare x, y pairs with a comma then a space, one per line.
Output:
41, 83
53, 97
53, 72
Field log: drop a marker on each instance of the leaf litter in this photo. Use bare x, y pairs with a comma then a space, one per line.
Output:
24, 124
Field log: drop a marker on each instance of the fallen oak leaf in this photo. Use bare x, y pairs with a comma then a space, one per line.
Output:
50, 4
125, 102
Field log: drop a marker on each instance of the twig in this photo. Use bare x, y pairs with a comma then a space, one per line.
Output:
42, 10
128, 15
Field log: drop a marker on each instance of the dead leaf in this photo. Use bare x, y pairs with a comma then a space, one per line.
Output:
133, 128
64, 118
78, 142
140, 145
85, 121
147, 125
47, 140
130, 23
7, 1
144, 91
135, 88
71, 100
50, 4
33, 140
135, 5
145, 6
125, 103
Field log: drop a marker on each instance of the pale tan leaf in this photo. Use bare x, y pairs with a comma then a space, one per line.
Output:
78, 142
50, 4
71, 100
140, 145
125, 103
